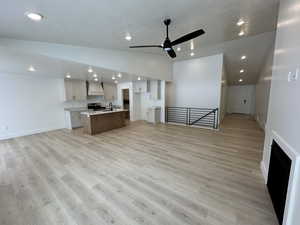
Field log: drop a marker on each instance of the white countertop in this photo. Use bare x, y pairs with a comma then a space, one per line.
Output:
81, 109
93, 113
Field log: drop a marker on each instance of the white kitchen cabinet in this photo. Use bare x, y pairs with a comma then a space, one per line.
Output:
110, 92
153, 115
75, 90
140, 86
155, 89
73, 119
69, 90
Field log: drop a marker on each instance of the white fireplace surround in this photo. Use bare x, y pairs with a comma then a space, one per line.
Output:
294, 174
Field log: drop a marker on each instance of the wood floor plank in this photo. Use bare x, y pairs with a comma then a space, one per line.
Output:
138, 174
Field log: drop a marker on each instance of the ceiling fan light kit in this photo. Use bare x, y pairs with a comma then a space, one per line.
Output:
167, 46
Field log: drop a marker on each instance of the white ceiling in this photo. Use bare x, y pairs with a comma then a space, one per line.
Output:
104, 23
255, 48
17, 63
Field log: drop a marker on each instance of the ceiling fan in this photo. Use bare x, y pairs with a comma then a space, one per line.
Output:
168, 44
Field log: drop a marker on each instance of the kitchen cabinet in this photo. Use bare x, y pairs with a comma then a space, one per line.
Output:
110, 92
155, 89
153, 114
140, 86
98, 122
75, 90
73, 118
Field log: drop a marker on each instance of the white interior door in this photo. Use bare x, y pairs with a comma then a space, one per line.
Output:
241, 99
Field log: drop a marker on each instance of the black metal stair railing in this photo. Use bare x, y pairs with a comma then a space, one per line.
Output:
204, 117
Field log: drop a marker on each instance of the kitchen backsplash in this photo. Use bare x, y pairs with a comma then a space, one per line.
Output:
91, 99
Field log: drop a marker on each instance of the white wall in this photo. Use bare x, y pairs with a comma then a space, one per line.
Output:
284, 108
224, 92
263, 87
30, 105
236, 96
196, 83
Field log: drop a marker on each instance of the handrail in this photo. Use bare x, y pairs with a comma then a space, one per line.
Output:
184, 115
203, 116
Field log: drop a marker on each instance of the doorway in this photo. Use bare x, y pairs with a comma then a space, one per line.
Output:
126, 102
241, 99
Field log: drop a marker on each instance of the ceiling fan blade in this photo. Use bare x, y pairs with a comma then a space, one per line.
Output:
171, 53
146, 46
188, 37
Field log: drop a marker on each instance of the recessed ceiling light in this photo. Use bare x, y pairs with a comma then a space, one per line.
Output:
119, 75
90, 70
31, 69
96, 79
192, 53
139, 78
242, 33
240, 80
243, 57
95, 75
116, 81
34, 16
242, 71
241, 22
128, 37
113, 77
178, 49
68, 76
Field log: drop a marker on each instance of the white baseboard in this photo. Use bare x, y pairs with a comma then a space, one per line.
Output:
264, 171
28, 132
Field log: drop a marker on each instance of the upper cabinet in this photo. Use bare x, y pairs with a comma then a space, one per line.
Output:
140, 86
155, 89
78, 90
110, 92
75, 90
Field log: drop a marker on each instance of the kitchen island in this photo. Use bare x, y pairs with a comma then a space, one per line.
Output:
100, 121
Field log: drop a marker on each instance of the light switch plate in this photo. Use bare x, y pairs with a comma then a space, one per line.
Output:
293, 76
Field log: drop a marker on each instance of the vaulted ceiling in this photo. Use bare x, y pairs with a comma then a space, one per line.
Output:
104, 24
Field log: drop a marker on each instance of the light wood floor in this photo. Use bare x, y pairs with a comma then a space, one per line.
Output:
138, 175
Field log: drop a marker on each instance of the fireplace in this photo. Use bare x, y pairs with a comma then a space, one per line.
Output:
278, 179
